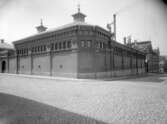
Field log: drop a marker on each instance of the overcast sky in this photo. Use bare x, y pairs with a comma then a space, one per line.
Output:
142, 19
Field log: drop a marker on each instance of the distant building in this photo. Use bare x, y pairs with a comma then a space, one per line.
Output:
6, 50
163, 64
78, 50
152, 55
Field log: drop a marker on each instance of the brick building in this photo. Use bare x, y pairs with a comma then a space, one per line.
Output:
77, 50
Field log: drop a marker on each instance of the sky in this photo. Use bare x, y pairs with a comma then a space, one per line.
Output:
142, 19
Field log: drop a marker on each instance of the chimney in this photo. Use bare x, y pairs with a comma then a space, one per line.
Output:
114, 17
124, 39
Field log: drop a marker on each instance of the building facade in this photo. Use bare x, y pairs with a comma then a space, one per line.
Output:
152, 55
78, 50
162, 64
6, 50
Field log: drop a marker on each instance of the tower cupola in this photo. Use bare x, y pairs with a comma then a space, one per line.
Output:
41, 28
79, 17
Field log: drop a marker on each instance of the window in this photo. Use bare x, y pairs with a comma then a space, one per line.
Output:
82, 43
41, 48
89, 43
55, 46
69, 44
52, 46
101, 45
26, 51
98, 44
44, 47
38, 48
104, 45
64, 45
60, 45
35, 49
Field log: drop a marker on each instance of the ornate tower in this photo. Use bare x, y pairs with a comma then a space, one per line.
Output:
41, 28
79, 17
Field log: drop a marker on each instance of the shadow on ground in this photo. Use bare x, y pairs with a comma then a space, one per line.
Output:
17, 110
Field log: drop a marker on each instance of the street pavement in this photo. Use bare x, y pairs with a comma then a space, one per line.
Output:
141, 100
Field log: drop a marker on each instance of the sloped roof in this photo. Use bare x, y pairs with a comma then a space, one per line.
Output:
68, 25
4, 45
56, 29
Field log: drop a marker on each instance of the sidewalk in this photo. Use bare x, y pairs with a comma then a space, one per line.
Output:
131, 76
77, 79
45, 77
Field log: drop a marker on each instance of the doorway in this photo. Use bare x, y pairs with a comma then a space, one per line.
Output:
3, 66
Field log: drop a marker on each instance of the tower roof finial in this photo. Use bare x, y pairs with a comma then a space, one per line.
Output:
78, 7
41, 22
41, 27
79, 17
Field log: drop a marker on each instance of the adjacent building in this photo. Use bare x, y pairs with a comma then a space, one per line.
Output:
78, 50
6, 50
152, 55
162, 64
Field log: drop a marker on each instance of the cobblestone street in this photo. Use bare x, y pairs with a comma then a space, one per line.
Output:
130, 101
